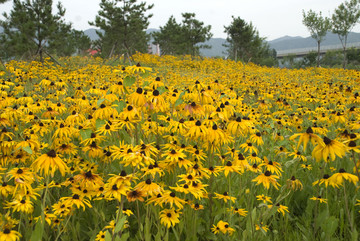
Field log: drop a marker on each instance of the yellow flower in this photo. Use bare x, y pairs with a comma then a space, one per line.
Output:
320, 199
266, 179
240, 211
169, 217
294, 184
327, 148
306, 137
49, 161
9, 235
280, 208
225, 197
263, 198
261, 227
338, 178
222, 227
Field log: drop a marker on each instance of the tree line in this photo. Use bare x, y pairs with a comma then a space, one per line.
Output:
33, 29
341, 22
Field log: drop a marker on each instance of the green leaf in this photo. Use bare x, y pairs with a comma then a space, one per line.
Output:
125, 236
146, 83
120, 105
129, 80
162, 89
108, 236
38, 231
28, 149
100, 101
179, 100
119, 226
144, 75
100, 123
147, 233
85, 133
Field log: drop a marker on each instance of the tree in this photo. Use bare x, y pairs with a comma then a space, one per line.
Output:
31, 28
184, 38
194, 32
73, 42
344, 18
3, 1
169, 38
244, 42
318, 26
123, 27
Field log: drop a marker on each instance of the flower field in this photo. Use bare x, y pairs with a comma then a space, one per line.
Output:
178, 149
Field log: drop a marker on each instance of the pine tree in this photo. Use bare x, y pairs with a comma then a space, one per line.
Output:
184, 38
169, 38
31, 27
194, 33
245, 44
123, 24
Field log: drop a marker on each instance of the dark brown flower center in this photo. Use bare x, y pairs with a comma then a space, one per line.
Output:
51, 153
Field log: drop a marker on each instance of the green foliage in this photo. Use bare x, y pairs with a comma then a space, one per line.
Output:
184, 38
318, 27
344, 18
245, 44
169, 38
123, 23
31, 29
73, 41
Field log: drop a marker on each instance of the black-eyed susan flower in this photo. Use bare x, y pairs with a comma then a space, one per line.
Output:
76, 200
328, 148
223, 227
294, 184
266, 179
306, 137
337, 179
149, 187
319, 198
242, 212
263, 198
135, 195
225, 197
272, 166
48, 163
171, 198
9, 235
280, 208
197, 206
169, 217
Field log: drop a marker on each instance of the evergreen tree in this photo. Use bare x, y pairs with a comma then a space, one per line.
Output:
194, 32
318, 27
245, 44
123, 24
184, 38
73, 42
31, 27
344, 18
169, 38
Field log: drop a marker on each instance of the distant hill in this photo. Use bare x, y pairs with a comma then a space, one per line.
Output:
217, 48
285, 43
279, 44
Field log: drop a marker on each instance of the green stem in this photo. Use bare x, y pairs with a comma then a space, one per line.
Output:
347, 210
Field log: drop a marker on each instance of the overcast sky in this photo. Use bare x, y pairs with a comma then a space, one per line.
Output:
272, 18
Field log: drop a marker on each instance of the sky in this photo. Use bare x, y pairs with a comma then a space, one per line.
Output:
272, 18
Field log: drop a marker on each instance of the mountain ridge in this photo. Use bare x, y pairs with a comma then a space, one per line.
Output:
279, 44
